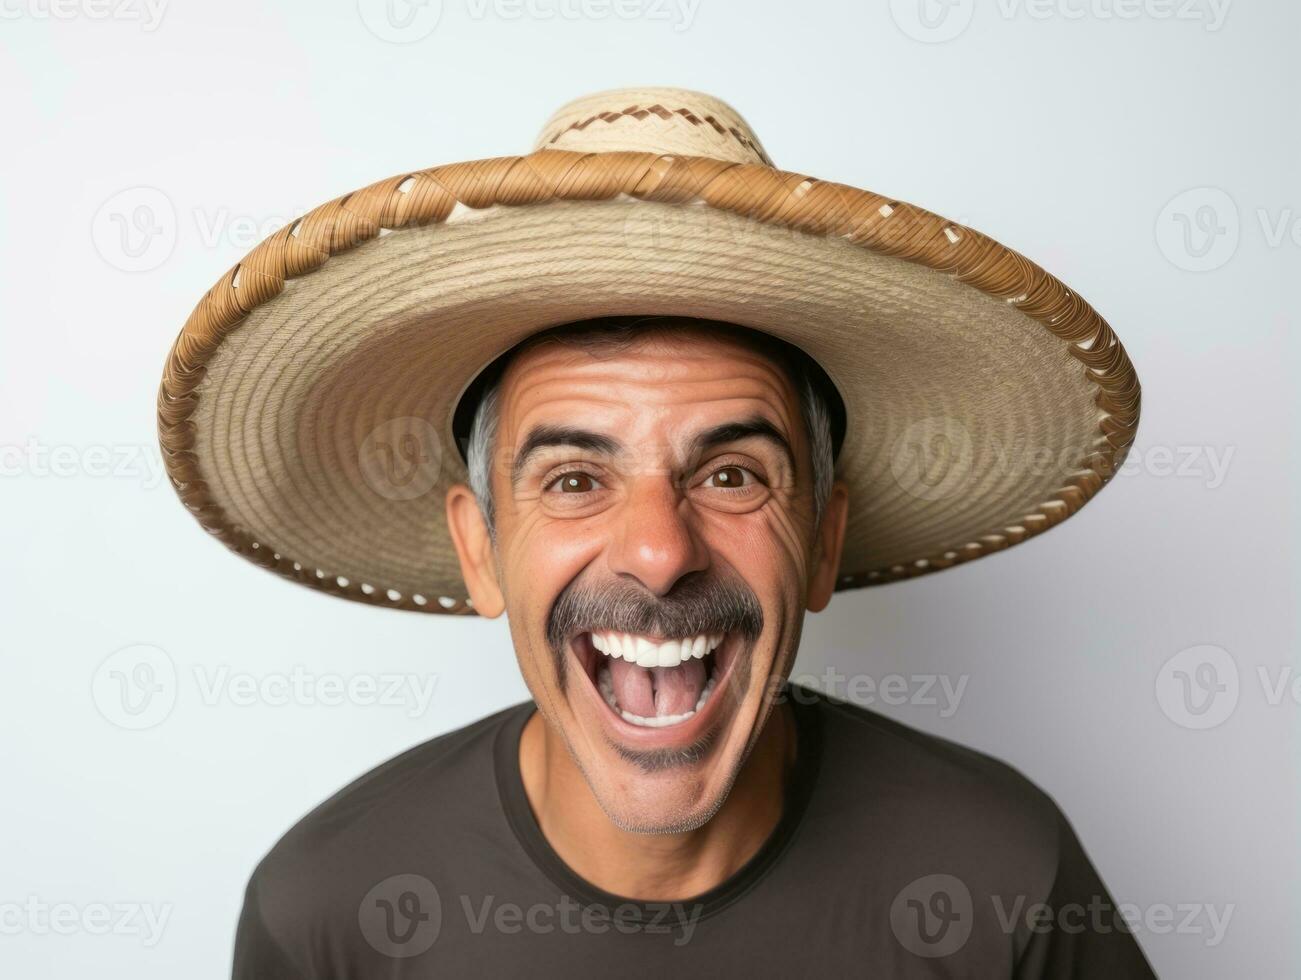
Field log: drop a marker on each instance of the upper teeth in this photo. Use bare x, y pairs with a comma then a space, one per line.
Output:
649, 653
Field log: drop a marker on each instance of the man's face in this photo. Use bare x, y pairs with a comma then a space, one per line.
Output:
655, 528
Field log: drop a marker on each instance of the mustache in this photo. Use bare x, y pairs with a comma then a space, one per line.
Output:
700, 602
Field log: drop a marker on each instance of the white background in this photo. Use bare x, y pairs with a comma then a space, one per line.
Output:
1067, 130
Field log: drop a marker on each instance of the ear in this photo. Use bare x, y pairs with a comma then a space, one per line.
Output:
474, 550
827, 547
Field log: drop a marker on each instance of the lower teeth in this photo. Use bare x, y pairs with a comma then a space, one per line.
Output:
659, 721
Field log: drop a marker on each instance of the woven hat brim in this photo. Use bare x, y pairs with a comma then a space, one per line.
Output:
305, 412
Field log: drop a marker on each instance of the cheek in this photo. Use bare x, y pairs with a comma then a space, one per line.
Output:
537, 559
766, 545
540, 557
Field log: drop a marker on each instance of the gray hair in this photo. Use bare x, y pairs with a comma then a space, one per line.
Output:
813, 409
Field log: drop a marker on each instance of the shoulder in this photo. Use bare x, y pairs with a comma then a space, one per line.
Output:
936, 833
929, 798
880, 749
408, 816
452, 766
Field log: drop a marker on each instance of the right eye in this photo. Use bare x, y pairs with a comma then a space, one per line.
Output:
575, 481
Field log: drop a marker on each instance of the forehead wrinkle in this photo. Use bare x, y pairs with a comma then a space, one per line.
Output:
653, 402
686, 438
537, 385
664, 357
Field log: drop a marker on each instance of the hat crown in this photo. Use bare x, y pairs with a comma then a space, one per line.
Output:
672, 121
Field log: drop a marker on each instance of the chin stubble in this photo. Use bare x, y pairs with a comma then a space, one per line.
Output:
657, 760
700, 603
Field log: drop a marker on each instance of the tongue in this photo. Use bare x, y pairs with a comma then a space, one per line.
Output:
652, 692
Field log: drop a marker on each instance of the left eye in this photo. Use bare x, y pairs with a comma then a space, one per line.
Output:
729, 477
573, 483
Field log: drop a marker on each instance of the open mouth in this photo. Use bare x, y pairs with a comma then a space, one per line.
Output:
654, 682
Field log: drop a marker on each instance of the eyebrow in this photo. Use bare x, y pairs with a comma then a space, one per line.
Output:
547, 435
542, 436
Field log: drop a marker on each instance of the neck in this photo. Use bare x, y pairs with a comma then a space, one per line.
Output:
655, 867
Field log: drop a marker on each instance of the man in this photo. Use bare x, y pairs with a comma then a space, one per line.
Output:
653, 501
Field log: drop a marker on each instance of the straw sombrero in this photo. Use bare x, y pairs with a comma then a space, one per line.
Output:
306, 410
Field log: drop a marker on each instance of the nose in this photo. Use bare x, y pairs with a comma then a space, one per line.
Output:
655, 542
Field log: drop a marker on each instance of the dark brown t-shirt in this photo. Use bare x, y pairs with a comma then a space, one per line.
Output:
898, 854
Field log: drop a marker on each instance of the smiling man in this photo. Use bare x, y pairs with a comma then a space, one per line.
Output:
652, 400
661, 516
